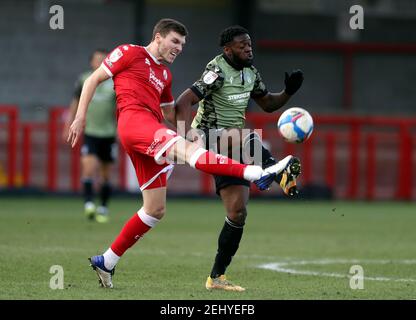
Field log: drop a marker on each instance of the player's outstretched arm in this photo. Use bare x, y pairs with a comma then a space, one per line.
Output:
88, 90
274, 101
69, 117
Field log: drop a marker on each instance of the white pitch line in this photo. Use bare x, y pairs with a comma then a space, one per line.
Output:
283, 267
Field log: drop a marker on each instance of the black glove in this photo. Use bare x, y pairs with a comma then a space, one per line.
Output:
293, 82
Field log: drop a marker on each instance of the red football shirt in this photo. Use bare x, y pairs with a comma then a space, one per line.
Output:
140, 80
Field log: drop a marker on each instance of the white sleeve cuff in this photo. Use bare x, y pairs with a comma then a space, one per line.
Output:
106, 69
165, 104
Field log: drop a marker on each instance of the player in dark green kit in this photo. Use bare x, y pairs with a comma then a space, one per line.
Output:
99, 147
223, 92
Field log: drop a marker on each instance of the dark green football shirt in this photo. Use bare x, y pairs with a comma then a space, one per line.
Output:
224, 93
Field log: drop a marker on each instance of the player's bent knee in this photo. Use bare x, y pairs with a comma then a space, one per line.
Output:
156, 212
238, 216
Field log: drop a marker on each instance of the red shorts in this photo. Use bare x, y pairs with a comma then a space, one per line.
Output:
146, 141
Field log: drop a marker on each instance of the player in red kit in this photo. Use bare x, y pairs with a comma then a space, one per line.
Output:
144, 98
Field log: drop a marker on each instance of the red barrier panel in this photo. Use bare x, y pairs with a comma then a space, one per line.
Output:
54, 117
11, 112
27, 150
341, 150
371, 166
330, 159
307, 161
404, 184
75, 167
353, 162
353, 127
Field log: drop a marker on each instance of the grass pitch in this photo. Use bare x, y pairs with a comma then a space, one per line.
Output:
309, 248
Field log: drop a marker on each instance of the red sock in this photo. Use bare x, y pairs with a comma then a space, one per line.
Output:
132, 231
217, 164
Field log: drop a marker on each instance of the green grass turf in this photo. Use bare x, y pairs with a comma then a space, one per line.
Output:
174, 259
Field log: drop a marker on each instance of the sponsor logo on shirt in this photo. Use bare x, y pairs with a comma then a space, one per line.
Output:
115, 55
153, 146
239, 98
109, 63
155, 81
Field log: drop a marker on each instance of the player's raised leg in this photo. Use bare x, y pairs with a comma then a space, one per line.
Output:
210, 162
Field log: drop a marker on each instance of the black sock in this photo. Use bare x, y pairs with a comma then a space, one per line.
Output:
105, 193
88, 190
228, 243
254, 143
268, 160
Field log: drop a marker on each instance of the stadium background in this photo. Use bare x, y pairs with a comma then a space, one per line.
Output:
359, 86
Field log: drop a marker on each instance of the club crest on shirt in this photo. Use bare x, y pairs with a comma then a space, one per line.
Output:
147, 61
109, 63
165, 74
248, 78
210, 77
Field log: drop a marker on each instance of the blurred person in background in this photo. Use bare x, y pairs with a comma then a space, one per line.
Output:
99, 147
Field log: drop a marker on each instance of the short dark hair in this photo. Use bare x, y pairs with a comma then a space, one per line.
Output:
164, 26
228, 34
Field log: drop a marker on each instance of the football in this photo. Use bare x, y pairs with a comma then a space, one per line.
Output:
295, 125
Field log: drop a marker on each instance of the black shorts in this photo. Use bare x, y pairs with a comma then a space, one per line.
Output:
223, 181
104, 148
